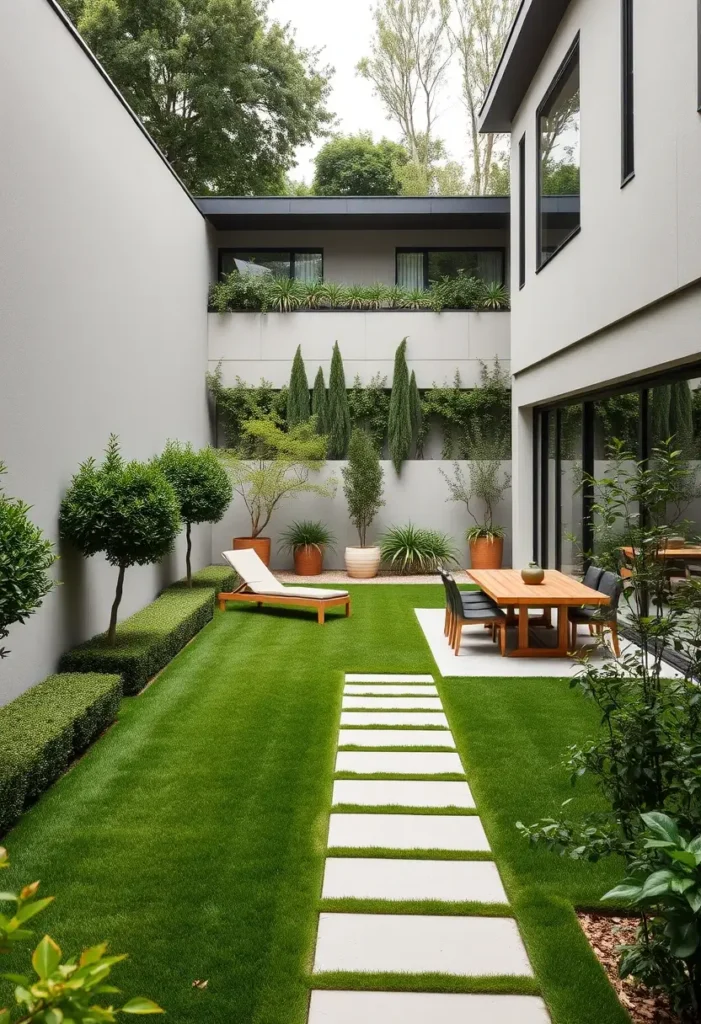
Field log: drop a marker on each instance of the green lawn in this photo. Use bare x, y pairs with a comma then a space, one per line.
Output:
193, 834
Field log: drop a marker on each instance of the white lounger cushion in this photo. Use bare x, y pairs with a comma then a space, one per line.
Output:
261, 581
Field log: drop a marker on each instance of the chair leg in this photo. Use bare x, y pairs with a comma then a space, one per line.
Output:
458, 635
591, 629
614, 638
446, 623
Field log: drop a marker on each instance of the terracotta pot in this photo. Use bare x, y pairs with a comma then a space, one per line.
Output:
261, 546
362, 563
308, 560
533, 574
486, 553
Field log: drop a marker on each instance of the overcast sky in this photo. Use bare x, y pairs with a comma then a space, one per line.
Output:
344, 29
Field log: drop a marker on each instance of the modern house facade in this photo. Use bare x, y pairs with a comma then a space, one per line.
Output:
601, 99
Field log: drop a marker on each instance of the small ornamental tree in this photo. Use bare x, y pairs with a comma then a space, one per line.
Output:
202, 487
362, 482
25, 559
320, 403
415, 410
339, 420
128, 510
298, 410
400, 426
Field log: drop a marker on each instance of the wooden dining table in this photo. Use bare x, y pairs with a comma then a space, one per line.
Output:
557, 590
686, 554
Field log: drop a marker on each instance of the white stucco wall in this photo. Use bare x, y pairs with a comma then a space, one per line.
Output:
103, 326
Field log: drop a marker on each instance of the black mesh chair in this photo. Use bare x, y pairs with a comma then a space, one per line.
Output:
475, 615
602, 615
470, 599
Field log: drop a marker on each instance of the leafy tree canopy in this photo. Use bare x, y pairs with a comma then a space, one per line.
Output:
354, 165
227, 95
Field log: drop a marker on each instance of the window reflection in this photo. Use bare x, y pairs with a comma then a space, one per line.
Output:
559, 161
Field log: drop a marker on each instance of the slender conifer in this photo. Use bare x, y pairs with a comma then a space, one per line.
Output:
400, 426
298, 410
320, 403
339, 421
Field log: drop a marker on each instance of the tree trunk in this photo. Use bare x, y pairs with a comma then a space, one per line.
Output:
188, 553
112, 633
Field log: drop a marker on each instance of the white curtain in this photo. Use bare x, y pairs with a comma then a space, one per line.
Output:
490, 267
307, 266
410, 270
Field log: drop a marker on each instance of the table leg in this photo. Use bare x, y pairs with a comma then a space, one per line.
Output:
562, 629
523, 627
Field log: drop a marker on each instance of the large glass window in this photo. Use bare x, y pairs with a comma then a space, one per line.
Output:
418, 268
558, 216
299, 264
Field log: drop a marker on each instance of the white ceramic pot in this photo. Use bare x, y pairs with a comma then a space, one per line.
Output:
362, 563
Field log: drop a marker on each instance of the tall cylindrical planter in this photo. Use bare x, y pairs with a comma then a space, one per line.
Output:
308, 560
362, 563
261, 546
486, 552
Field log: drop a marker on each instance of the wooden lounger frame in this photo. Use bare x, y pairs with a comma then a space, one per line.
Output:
247, 596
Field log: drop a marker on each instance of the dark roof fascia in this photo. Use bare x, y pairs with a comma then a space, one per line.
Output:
68, 24
533, 29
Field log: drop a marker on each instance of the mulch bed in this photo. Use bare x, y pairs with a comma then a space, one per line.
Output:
605, 933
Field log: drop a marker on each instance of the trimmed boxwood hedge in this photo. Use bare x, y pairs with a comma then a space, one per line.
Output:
46, 728
148, 640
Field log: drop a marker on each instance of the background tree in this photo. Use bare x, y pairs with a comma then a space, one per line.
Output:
354, 165
202, 487
479, 38
298, 406
399, 427
339, 420
227, 95
434, 174
129, 511
362, 482
25, 559
320, 403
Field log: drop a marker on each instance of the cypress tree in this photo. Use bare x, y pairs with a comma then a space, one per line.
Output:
399, 426
298, 410
660, 427
417, 416
681, 417
338, 412
320, 403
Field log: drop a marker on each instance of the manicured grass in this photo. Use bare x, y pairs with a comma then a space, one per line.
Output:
193, 834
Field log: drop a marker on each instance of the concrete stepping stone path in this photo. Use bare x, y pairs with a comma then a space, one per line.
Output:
381, 711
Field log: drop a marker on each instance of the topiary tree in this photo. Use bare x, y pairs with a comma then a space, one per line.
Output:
320, 403
202, 487
25, 559
400, 426
362, 482
339, 421
128, 510
415, 411
298, 410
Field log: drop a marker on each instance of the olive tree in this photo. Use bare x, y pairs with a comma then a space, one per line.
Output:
127, 510
362, 482
202, 487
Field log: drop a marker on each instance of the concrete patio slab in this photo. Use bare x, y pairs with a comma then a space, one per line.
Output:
412, 793
391, 689
395, 738
386, 677
407, 944
435, 718
408, 832
409, 763
424, 1008
394, 703
380, 878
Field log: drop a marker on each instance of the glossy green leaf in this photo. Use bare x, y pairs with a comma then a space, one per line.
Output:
46, 957
139, 1005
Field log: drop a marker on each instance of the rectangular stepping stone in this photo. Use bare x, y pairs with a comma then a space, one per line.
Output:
400, 762
380, 878
394, 703
395, 738
394, 718
385, 690
420, 943
408, 832
412, 793
349, 1007
386, 677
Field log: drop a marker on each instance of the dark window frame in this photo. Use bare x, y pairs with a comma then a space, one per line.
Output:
627, 94
425, 250
522, 210
228, 250
540, 263
698, 57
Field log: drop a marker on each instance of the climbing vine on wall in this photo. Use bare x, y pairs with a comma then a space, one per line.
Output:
369, 407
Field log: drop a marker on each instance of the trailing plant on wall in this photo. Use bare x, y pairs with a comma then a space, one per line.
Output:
298, 406
369, 407
338, 410
461, 412
362, 482
243, 402
320, 403
399, 428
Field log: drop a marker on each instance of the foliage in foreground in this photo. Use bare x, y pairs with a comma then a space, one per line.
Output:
25, 559
59, 992
362, 483
414, 549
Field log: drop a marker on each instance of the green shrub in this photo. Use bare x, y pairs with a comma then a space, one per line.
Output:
148, 640
413, 549
45, 728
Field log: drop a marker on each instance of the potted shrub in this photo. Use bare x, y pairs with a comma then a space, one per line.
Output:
307, 540
270, 465
362, 486
487, 484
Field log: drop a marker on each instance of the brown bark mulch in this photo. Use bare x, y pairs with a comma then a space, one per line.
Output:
605, 934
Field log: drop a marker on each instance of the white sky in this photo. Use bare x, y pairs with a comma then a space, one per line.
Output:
344, 28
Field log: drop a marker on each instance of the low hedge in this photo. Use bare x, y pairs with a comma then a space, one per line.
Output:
148, 640
46, 728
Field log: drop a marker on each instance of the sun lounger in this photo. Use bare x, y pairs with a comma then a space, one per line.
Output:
259, 586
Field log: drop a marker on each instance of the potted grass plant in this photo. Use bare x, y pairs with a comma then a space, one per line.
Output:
307, 539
